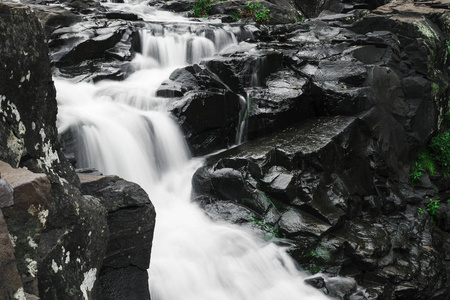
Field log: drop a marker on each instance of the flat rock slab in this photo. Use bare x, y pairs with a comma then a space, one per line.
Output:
279, 180
30, 189
302, 139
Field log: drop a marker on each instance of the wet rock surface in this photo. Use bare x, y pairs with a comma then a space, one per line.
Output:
340, 191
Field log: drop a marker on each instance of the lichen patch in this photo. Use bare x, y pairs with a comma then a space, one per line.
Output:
88, 283
31, 266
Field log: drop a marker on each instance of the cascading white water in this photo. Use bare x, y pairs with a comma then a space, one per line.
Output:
123, 128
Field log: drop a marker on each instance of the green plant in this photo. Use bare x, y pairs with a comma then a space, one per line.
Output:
433, 206
447, 115
434, 157
201, 8
258, 12
435, 87
235, 15
272, 230
440, 151
416, 172
447, 43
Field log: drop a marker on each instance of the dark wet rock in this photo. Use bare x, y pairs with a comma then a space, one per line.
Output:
176, 5
227, 7
94, 50
367, 220
83, 6
365, 242
53, 18
226, 77
88, 40
209, 119
10, 282
296, 222
25, 74
317, 281
340, 288
281, 104
228, 211
131, 221
272, 172
112, 15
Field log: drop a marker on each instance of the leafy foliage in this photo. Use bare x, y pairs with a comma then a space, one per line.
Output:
201, 8
258, 12
423, 163
433, 206
447, 115
235, 16
434, 157
440, 151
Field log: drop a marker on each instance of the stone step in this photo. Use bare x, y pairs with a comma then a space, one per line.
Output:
281, 178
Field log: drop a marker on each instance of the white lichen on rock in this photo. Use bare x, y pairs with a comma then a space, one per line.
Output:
26, 77
42, 216
41, 213
50, 156
55, 267
16, 146
31, 266
67, 257
14, 114
31, 242
88, 283
20, 294
13, 239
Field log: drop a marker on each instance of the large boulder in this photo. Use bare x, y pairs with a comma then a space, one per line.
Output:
60, 236
131, 222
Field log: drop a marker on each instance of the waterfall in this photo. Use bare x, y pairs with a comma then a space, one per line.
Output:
122, 128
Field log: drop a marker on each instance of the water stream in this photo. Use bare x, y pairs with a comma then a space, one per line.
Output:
123, 128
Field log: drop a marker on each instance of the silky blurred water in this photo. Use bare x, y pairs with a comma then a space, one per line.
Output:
122, 128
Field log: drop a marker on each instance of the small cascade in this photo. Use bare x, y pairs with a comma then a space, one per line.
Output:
246, 104
257, 72
255, 78
122, 128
